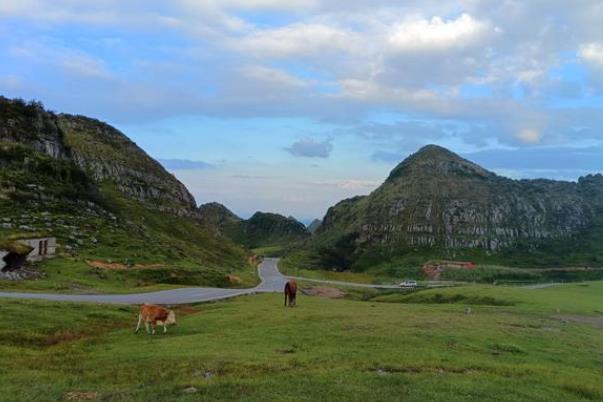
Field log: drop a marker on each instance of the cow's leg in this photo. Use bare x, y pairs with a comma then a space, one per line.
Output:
153, 326
164, 328
146, 326
139, 322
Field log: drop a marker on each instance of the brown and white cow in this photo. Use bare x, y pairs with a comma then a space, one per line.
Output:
290, 292
153, 315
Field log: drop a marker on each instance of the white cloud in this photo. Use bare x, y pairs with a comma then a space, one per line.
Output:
84, 66
437, 34
297, 40
70, 61
592, 53
272, 76
371, 91
259, 4
529, 136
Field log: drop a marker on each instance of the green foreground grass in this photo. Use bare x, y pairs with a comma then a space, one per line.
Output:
252, 348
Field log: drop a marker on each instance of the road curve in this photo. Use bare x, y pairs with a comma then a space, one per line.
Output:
271, 281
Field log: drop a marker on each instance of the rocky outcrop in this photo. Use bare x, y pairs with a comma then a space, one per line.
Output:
29, 123
436, 199
107, 154
86, 147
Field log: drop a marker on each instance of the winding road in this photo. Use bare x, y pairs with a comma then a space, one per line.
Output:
271, 281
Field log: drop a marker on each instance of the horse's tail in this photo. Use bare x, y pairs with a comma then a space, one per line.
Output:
286, 293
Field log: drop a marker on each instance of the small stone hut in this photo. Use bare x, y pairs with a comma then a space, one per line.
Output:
15, 252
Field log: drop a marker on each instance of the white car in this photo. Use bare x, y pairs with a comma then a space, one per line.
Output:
408, 284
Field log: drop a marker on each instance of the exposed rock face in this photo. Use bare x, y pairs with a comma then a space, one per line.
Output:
31, 124
107, 154
437, 199
99, 150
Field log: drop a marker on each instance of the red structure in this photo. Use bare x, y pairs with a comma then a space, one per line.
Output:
433, 269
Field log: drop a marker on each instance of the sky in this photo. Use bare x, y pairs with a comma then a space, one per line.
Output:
291, 106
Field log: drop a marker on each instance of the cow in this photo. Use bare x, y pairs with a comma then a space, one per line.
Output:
155, 315
290, 292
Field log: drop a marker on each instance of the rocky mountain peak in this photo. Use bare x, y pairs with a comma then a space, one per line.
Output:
434, 160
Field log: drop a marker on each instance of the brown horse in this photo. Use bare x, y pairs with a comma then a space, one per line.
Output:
290, 292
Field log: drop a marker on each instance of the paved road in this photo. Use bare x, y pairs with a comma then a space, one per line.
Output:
271, 281
352, 284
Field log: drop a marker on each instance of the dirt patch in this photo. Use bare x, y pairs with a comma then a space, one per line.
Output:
81, 396
254, 260
183, 311
233, 279
592, 320
63, 336
118, 266
322, 291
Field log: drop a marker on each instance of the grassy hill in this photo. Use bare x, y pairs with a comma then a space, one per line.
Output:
517, 344
121, 220
266, 233
437, 205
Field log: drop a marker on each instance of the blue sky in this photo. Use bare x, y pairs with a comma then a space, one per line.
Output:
292, 106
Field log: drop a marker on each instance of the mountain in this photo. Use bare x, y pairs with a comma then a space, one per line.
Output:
264, 229
436, 204
103, 197
261, 230
223, 221
314, 225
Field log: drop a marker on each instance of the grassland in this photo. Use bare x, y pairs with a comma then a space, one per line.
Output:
180, 251
543, 345
384, 270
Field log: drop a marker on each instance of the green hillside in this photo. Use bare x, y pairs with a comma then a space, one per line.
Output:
107, 202
265, 232
437, 205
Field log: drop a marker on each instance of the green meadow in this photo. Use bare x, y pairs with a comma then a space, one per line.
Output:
515, 344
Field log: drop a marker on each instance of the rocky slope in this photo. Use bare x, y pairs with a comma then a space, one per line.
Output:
261, 230
102, 196
440, 203
99, 150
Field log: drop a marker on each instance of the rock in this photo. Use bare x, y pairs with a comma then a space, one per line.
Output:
81, 396
191, 390
436, 199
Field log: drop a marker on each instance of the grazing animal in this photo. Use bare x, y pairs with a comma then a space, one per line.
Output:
290, 292
155, 315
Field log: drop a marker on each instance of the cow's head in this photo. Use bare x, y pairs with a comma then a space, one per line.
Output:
171, 318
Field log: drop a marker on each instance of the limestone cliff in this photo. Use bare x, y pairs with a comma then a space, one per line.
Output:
101, 152
438, 200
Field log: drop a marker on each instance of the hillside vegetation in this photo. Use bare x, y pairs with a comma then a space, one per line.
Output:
266, 233
107, 202
437, 205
